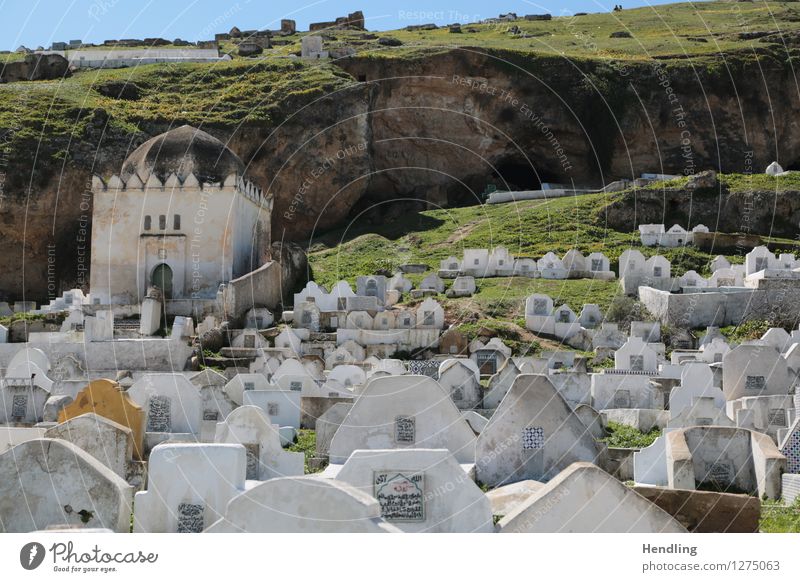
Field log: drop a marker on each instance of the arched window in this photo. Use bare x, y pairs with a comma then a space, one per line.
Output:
148, 222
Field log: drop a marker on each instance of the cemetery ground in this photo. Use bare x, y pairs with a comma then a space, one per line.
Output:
527, 228
776, 516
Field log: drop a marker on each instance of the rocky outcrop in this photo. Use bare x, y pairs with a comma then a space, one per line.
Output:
35, 68
445, 125
294, 267
757, 212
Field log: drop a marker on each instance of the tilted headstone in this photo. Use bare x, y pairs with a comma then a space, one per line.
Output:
585, 499
63, 485
107, 441
533, 434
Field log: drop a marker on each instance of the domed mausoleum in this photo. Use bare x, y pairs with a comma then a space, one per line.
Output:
180, 216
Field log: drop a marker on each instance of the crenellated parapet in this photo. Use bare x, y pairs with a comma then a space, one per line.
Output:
173, 183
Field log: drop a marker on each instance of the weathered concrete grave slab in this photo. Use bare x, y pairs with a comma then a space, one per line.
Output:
585, 499
53, 482
707, 511
303, 505
266, 459
504, 499
107, 441
403, 412
533, 434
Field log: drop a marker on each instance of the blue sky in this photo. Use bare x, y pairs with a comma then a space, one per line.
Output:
40, 22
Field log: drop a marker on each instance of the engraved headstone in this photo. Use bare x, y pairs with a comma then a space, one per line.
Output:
622, 399
401, 496
404, 430
190, 518
19, 406
158, 416
755, 383
777, 417
720, 474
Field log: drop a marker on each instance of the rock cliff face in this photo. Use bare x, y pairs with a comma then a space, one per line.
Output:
444, 126
431, 130
757, 212
35, 68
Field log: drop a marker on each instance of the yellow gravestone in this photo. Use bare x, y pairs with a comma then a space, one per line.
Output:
105, 398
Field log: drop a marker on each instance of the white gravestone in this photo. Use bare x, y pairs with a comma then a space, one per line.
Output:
533, 434
266, 459
189, 486
63, 484
420, 490
303, 505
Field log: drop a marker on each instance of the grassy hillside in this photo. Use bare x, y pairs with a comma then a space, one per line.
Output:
258, 89
529, 228
225, 93
671, 31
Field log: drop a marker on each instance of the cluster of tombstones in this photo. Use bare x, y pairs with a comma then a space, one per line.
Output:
498, 262
404, 445
654, 235
636, 271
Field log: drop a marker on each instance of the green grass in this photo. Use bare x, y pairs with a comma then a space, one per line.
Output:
13, 57
45, 116
624, 436
666, 32
306, 443
747, 331
529, 228
740, 183
54, 318
670, 32
779, 518
225, 93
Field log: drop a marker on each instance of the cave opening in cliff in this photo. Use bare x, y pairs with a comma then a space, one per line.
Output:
519, 175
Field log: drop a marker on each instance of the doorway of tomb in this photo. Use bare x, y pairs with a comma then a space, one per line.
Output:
162, 278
